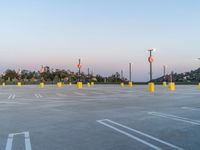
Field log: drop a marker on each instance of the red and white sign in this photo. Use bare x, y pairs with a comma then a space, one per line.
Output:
150, 59
79, 66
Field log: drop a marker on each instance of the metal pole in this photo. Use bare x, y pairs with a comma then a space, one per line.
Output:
130, 72
88, 74
164, 72
198, 68
122, 75
171, 76
150, 66
79, 70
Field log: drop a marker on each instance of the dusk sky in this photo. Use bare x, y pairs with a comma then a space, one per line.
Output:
105, 34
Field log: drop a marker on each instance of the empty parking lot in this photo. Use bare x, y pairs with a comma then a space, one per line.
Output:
103, 117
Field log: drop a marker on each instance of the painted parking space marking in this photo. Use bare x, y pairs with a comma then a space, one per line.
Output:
11, 96
79, 94
11, 138
38, 96
115, 126
60, 95
191, 108
177, 118
97, 93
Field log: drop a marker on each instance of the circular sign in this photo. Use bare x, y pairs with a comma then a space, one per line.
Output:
79, 66
150, 59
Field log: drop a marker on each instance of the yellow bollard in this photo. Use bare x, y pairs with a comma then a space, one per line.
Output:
130, 84
92, 83
19, 84
3, 84
79, 85
171, 86
70, 84
151, 87
199, 85
41, 85
88, 84
164, 84
122, 84
59, 84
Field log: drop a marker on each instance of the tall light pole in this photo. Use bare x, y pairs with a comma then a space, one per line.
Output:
130, 83
199, 77
164, 72
79, 83
150, 59
79, 69
122, 75
130, 72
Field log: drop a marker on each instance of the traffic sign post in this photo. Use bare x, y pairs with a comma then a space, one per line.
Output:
79, 83
151, 86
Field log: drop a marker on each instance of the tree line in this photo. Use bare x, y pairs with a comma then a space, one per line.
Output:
48, 76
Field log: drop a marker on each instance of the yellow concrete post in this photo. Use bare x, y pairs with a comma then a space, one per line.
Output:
171, 86
3, 84
70, 84
151, 87
92, 83
88, 84
59, 84
130, 84
19, 84
42, 85
199, 85
122, 84
79, 85
164, 84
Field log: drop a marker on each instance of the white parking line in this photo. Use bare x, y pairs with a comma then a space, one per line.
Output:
38, 96
79, 94
60, 95
98, 93
11, 96
191, 108
26, 139
177, 118
103, 122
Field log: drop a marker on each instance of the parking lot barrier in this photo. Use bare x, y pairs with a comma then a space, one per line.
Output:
151, 87
171, 86
164, 84
122, 84
130, 84
19, 84
79, 85
88, 84
42, 85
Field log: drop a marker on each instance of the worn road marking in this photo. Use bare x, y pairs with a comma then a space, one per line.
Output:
38, 96
79, 94
191, 108
11, 96
26, 139
137, 132
177, 118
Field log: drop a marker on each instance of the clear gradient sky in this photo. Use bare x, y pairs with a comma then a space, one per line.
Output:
106, 34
